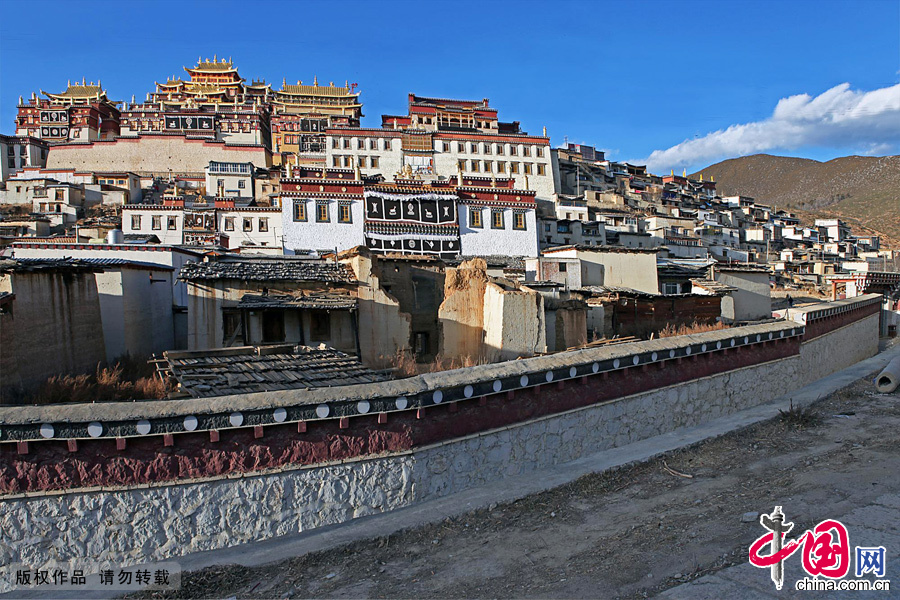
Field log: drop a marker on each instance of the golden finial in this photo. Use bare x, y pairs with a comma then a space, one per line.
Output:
82, 80
684, 172
331, 84
673, 172
712, 178
545, 131
69, 83
215, 58
315, 80
283, 82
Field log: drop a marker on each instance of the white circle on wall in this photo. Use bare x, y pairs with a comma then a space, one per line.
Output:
635, 360
732, 342
671, 353
523, 380
718, 345
781, 333
236, 419
687, 350
323, 410
190, 423
573, 371
654, 356
468, 391
280, 415
746, 340
401, 403
437, 396
497, 385
595, 367
363, 406
143, 427
549, 376
771, 335
616, 364
758, 338
95, 429
703, 348
47, 430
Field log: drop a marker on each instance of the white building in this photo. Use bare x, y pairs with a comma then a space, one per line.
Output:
610, 267
220, 223
472, 216
229, 179
16, 153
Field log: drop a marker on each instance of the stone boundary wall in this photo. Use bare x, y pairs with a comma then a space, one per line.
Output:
162, 520
141, 524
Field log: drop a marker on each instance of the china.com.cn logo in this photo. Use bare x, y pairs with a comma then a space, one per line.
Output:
826, 553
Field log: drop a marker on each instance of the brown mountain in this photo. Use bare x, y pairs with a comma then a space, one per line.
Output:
864, 191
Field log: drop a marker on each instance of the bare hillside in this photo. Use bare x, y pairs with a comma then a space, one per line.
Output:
862, 190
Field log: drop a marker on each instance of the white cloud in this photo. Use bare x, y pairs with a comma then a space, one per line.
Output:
837, 118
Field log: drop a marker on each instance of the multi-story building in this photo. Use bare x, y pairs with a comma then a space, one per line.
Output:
212, 115
439, 138
230, 180
81, 113
302, 113
218, 222
16, 153
328, 209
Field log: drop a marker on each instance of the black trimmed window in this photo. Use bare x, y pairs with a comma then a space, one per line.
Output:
475, 218
299, 210
322, 212
497, 218
519, 221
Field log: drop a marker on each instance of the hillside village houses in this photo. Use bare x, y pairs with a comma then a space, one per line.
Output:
240, 214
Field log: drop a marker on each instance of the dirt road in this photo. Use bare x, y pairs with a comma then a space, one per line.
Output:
626, 534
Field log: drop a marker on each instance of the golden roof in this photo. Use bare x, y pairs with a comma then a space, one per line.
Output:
204, 88
79, 91
212, 66
315, 90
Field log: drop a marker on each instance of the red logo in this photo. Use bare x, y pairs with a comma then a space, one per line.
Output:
826, 548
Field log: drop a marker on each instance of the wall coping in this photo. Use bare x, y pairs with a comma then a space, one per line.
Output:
808, 314
413, 452
156, 417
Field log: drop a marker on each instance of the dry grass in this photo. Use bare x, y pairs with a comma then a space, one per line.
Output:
695, 327
404, 364
127, 379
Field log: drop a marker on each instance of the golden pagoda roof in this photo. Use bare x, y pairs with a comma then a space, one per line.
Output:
212, 66
315, 90
78, 91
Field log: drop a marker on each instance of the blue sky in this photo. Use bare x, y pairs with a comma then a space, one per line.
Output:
681, 84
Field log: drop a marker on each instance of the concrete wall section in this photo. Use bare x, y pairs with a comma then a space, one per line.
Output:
490, 241
838, 349
384, 331
752, 299
513, 323
153, 154
55, 327
304, 231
